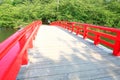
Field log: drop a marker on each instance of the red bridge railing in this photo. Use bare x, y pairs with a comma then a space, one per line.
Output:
110, 37
13, 51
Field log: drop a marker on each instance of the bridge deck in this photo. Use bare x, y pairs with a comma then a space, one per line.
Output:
59, 55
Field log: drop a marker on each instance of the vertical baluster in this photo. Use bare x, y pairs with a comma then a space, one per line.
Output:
116, 49
85, 31
23, 50
97, 39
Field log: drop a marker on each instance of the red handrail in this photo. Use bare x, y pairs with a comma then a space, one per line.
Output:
13, 51
96, 33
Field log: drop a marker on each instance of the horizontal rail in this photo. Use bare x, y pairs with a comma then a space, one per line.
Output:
99, 34
13, 51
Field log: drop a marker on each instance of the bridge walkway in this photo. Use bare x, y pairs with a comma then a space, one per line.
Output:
61, 55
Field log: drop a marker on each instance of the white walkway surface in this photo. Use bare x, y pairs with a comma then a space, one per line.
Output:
61, 55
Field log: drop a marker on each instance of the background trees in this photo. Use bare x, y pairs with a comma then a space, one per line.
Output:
14, 13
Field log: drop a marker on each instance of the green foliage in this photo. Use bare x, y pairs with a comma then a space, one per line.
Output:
14, 13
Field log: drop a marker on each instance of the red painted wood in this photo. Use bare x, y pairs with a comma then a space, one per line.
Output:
85, 29
13, 51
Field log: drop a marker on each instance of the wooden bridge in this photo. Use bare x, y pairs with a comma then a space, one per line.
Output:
58, 54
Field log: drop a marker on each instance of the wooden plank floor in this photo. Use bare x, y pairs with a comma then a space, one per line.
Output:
61, 55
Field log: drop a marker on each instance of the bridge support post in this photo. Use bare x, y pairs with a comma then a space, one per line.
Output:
85, 31
72, 28
31, 43
116, 49
77, 30
23, 52
96, 41
25, 57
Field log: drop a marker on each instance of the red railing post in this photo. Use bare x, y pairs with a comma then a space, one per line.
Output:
116, 49
33, 36
97, 38
31, 43
24, 51
68, 27
65, 25
72, 28
85, 31
77, 30
25, 57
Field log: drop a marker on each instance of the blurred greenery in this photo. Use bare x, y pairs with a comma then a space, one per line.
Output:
14, 13
5, 33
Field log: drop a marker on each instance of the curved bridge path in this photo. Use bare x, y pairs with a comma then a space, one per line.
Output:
61, 55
